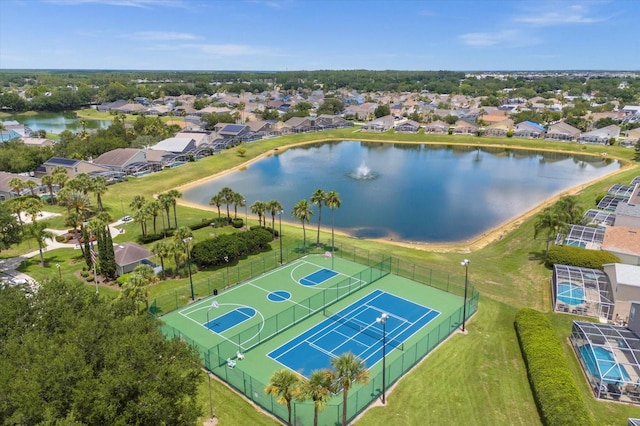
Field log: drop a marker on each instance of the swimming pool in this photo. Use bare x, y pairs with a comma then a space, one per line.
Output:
612, 372
570, 294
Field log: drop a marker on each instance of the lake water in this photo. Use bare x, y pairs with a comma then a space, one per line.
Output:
54, 122
421, 193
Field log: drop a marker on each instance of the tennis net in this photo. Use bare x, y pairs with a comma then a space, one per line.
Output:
362, 327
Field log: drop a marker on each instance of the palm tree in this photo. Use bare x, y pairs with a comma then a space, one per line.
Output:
318, 198
162, 250
284, 384
33, 207
81, 182
569, 209
238, 200
99, 187
165, 203
38, 231
75, 200
174, 194
48, 180
141, 216
60, 178
136, 286
217, 201
274, 206
320, 389
16, 185
17, 205
153, 208
137, 203
302, 212
258, 208
227, 196
31, 185
349, 370
548, 221
332, 200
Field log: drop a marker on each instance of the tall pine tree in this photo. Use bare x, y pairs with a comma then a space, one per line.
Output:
86, 252
108, 266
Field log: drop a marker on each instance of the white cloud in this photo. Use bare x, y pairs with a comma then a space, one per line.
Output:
506, 38
161, 36
220, 50
550, 14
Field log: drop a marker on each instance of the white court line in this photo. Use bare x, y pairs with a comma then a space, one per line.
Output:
207, 300
284, 300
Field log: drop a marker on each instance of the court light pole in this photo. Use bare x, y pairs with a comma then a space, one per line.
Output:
280, 234
59, 272
465, 263
186, 241
382, 319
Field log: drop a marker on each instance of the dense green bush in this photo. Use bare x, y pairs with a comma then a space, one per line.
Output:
213, 251
150, 238
576, 256
554, 388
268, 229
237, 223
202, 224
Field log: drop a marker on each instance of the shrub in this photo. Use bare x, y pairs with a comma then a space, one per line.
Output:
60, 239
554, 388
150, 238
576, 256
237, 223
202, 224
212, 252
90, 279
84, 274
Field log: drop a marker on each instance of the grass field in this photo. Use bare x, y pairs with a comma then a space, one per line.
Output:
478, 378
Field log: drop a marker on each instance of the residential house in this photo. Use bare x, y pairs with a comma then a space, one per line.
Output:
134, 108
234, 131
128, 256
108, 106
159, 110
175, 145
529, 130
602, 136
363, 111
299, 124
119, 159
625, 286
71, 166
631, 139
40, 142
202, 137
407, 126
6, 192
623, 242
499, 129
437, 127
628, 213
463, 127
381, 124
562, 132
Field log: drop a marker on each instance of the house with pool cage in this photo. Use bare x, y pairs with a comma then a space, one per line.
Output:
610, 356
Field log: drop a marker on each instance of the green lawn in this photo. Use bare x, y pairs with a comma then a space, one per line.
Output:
478, 378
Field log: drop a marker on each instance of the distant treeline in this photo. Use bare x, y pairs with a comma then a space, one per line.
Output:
52, 90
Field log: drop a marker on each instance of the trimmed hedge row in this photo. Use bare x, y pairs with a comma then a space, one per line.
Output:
226, 248
576, 256
556, 393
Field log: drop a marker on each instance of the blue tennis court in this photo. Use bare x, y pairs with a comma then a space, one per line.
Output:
230, 319
354, 329
318, 277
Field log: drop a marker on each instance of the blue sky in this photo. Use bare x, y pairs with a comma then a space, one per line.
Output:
320, 34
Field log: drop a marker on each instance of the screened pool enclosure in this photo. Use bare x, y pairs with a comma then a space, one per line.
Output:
609, 355
582, 291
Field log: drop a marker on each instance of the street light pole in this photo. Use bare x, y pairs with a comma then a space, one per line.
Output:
186, 241
465, 263
383, 320
280, 234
